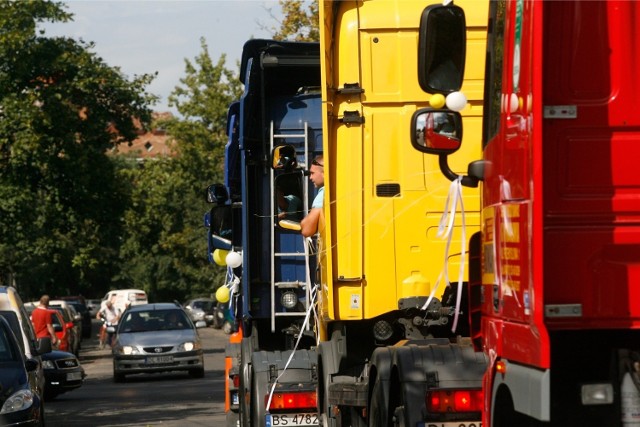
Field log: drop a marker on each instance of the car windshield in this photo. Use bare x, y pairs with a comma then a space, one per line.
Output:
153, 320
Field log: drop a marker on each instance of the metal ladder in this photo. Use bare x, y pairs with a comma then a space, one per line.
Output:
274, 255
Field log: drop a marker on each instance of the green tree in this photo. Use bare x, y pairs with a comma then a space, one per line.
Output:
299, 23
61, 109
166, 248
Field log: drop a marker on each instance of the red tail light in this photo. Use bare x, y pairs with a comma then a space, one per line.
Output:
451, 401
292, 400
236, 380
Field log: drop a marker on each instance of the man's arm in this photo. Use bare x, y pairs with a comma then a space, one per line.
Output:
52, 332
309, 224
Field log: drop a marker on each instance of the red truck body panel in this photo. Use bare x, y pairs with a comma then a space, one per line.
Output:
560, 245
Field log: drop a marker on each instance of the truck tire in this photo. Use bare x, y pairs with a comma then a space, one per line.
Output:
328, 368
378, 411
245, 380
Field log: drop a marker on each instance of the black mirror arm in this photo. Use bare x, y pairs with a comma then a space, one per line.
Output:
467, 181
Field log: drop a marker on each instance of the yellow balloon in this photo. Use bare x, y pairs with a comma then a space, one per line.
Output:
219, 256
222, 294
437, 100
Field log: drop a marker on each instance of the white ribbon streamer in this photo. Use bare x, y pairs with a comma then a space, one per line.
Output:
445, 230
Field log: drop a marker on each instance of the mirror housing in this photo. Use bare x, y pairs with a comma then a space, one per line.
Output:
218, 194
441, 48
284, 157
436, 131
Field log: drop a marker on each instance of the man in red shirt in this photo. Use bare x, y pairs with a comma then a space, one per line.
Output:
41, 319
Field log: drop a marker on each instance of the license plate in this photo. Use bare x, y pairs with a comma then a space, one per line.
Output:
74, 376
452, 424
159, 359
292, 420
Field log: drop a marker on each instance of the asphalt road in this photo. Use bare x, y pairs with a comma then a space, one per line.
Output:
164, 399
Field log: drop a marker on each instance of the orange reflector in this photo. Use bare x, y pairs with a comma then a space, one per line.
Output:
292, 400
501, 367
451, 401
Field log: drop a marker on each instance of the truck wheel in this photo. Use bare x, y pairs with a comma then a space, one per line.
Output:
378, 407
328, 368
245, 380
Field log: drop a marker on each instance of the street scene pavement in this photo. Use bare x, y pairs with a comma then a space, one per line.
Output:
162, 399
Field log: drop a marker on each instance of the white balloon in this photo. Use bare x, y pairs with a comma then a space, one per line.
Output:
234, 259
456, 101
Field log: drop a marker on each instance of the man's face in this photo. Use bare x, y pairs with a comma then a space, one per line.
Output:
316, 175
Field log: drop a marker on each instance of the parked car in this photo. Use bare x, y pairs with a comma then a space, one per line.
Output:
156, 338
20, 400
85, 322
13, 310
201, 309
63, 372
62, 330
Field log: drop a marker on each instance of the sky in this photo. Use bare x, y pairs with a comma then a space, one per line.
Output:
145, 36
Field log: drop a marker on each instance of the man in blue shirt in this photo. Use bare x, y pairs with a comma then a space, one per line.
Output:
309, 224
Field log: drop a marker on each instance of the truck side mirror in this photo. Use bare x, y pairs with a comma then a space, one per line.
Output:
436, 131
441, 49
284, 157
440, 132
217, 194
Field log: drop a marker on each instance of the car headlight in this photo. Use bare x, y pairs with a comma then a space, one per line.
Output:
127, 350
48, 364
188, 346
20, 400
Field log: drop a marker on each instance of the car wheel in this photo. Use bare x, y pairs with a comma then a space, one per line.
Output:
196, 373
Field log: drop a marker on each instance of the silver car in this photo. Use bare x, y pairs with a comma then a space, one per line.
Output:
200, 309
156, 338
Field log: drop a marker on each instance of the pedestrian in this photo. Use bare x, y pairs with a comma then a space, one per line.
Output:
42, 321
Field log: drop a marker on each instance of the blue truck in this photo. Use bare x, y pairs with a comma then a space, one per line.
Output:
274, 132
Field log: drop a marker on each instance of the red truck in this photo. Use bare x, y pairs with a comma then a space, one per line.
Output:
555, 270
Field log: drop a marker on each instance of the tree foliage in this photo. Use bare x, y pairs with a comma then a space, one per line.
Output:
166, 247
61, 109
299, 23
72, 218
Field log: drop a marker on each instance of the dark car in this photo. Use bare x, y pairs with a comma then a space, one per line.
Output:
156, 338
62, 372
200, 309
19, 398
13, 310
86, 317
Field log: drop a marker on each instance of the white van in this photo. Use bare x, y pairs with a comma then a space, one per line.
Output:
122, 298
